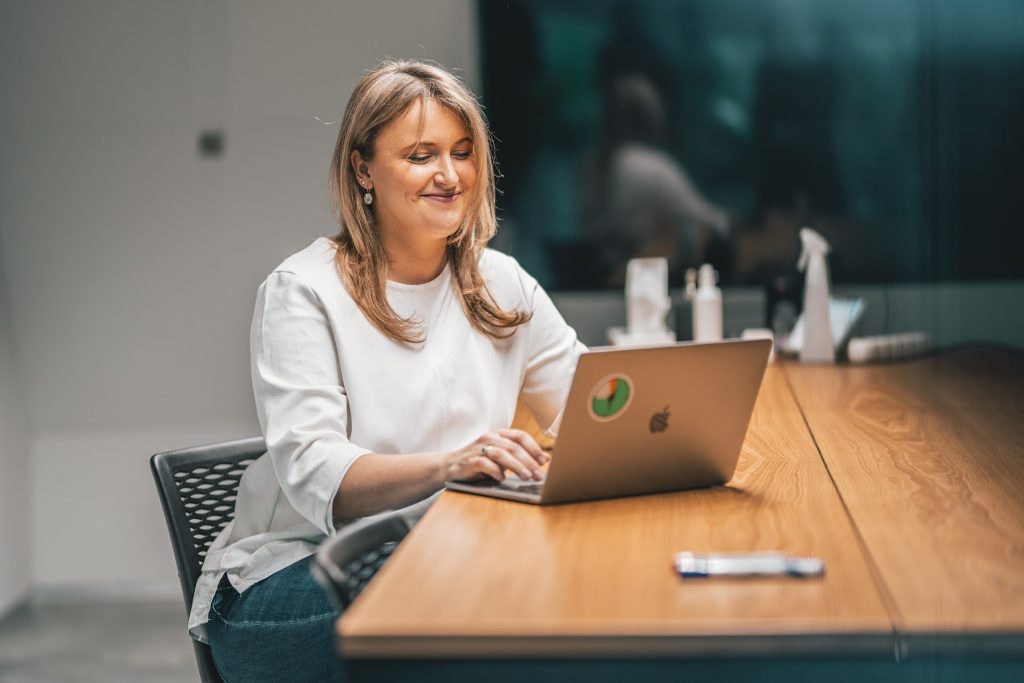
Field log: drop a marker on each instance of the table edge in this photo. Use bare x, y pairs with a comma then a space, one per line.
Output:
846, 643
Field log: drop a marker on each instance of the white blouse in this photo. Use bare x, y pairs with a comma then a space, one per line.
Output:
329, 387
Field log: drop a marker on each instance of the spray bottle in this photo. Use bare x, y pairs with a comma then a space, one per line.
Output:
818, 346
707, 304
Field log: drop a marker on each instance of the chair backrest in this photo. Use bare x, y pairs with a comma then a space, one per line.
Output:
197, 488
345, 563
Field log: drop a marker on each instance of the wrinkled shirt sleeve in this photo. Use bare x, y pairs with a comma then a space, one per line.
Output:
551, 357
300, 396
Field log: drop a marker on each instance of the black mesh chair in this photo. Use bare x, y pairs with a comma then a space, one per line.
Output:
197, 489
346, 562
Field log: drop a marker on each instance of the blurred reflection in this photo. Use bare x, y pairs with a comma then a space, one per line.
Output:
638, 200
712, 130
796, 179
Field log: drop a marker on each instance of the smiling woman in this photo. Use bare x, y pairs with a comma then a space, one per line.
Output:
385, 361
414, 138
423, 172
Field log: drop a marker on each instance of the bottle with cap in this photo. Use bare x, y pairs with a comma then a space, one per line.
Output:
706, 299
818, 346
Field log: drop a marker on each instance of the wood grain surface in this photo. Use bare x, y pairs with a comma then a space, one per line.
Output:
481, 576
928, 456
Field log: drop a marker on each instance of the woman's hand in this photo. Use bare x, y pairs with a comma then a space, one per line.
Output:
493, 453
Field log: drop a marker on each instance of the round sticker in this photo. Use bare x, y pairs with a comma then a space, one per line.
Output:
610, 397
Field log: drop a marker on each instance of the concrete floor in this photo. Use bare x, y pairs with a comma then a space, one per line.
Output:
101, 642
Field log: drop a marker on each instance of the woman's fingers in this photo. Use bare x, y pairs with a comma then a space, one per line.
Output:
525, 457
495, 452
470, 464
503, 453
484, 465
527, 443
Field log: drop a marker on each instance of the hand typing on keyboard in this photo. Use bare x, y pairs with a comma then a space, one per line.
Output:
494, 453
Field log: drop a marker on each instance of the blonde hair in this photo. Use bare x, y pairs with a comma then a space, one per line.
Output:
381, 96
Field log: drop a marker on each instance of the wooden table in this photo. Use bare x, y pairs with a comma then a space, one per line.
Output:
906, 478
928, 458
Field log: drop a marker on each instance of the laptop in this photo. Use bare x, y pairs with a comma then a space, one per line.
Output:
646, 420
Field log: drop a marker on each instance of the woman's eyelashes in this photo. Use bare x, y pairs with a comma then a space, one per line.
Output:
424, 157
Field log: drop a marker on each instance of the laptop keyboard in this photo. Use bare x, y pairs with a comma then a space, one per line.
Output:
517, 484
526, 488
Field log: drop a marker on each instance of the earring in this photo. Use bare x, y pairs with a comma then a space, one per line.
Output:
368, 198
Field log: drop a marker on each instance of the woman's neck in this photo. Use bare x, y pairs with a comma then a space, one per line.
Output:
411, 264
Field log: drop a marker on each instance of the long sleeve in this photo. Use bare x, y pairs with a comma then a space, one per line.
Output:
551, 356
300, 396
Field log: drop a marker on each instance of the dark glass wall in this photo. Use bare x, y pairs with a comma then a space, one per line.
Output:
712, 130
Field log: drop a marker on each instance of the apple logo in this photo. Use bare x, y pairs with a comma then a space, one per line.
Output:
659, 421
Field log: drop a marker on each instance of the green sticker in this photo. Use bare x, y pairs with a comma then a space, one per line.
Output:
610, 397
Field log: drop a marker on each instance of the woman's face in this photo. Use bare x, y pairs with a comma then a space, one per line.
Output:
423, 174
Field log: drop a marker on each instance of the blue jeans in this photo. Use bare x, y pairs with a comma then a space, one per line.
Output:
280, 629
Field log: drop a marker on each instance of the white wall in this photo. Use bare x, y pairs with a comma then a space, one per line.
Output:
15, 541
133, 264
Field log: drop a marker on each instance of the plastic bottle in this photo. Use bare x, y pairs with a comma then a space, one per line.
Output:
707, 304
818, 346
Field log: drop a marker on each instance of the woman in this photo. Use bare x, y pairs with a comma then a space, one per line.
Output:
384, 362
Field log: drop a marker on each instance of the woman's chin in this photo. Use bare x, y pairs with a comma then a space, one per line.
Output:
445, 229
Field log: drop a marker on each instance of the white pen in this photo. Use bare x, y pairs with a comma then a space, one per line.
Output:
694, 565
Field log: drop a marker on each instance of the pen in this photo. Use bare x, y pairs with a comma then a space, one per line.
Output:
698, 565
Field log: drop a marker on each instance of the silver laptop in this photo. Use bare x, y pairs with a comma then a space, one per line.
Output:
646, 420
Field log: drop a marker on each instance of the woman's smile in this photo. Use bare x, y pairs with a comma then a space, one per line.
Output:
443, 197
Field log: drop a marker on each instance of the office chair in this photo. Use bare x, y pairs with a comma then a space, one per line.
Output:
197, 489
345, 563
